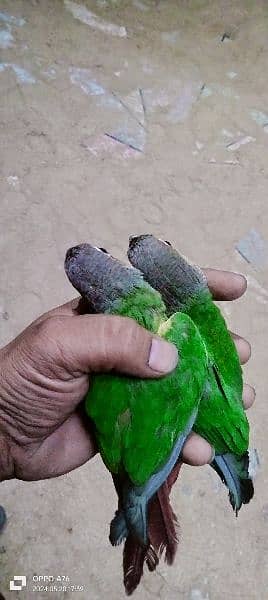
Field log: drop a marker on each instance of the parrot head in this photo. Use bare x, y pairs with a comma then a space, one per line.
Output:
147, 245
166, 270
151, 255
99, 276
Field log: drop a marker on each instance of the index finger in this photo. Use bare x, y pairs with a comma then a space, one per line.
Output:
225, 285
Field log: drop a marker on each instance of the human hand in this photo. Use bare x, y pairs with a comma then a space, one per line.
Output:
45, 374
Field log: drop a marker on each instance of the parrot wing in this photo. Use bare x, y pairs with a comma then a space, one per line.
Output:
137, 422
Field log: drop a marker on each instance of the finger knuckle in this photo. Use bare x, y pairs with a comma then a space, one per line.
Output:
129, 334
47, 333
124, 336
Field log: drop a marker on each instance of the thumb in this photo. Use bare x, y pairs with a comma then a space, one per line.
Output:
101, 343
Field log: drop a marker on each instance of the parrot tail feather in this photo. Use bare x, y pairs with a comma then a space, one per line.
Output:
151, 558
234, 472
162, 535
133, 560
162, 522
118, 529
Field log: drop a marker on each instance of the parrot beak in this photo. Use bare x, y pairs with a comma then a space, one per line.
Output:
166, 242
102, 249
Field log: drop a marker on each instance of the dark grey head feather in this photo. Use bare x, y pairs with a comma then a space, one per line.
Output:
166, 270
99, 277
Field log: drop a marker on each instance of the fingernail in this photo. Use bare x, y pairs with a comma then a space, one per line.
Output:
163, 356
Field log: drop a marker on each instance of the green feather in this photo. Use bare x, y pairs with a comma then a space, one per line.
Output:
138, 421
221, 418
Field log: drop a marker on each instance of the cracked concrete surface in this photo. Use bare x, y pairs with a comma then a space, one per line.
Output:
102, 135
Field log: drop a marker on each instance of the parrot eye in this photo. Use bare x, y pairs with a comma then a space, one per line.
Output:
165, 242
101, 249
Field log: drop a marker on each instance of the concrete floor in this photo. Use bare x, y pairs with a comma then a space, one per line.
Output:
177, 96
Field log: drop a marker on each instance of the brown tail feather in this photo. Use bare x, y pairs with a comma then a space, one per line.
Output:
133, 561
162, 533
173, 476
163, 524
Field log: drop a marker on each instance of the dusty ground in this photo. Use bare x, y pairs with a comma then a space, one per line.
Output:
179, 96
